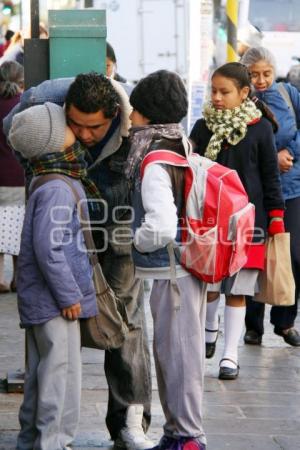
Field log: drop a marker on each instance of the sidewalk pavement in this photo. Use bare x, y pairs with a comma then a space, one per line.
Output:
260, 410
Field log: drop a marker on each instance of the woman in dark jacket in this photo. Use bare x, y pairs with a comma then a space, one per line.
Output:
284, 101
12, 191
234, 133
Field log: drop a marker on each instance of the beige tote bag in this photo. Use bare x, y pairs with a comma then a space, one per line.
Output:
276, 282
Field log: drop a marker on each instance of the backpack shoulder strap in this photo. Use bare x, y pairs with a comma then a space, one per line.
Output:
163, 157
88, 237
286, 96
43, 179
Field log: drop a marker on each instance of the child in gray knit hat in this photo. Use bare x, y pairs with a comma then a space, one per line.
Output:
40, 130
54, 281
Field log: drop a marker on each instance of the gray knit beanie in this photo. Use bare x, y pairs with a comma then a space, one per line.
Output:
38, 130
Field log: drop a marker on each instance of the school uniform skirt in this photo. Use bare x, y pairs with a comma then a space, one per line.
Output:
242, 283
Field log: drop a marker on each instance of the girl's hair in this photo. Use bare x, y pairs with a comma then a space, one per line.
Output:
235, 71
255, 54
240, 76
266, 112
11, 79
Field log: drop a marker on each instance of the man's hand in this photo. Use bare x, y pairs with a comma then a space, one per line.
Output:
72, 312
285, 160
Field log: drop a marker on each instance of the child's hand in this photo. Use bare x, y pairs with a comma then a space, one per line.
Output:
276, 224
72, 312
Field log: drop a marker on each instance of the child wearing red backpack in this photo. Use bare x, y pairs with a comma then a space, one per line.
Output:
234, 133
178, 299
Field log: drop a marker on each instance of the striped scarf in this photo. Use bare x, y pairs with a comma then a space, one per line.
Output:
70, 162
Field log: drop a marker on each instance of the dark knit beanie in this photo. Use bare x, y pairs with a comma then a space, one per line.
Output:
161, 97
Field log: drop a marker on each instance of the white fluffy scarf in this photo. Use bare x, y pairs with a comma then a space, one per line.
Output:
229, 124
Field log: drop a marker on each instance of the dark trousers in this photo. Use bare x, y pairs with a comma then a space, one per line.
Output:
282, 317
127, 369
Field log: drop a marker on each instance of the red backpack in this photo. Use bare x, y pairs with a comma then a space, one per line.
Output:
218, 220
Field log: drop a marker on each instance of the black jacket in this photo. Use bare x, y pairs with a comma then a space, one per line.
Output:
255, 160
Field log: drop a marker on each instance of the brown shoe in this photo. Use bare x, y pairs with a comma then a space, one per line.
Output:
4, 288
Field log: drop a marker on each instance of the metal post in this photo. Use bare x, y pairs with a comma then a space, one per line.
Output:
244, 6
35, 18
232, 22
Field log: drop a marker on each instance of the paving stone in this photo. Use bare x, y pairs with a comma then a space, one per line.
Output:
243, 442
274, 412
255, 427
288, 442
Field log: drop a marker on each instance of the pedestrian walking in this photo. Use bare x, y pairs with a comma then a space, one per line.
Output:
111, 64
248, 36
234, 133
54, 284
12, 180
284, 101
159, 103
97, 111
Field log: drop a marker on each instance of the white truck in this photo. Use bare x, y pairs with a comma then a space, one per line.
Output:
279, 20
147, 35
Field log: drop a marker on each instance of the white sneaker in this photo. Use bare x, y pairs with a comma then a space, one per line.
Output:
133, 435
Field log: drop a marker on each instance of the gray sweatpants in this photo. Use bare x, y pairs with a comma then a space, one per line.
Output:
179, 354
50, 411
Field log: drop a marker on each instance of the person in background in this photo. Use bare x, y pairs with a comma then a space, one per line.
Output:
12, 181
248, 36
159, 104
7, 37
111, 64
15, 50
234, 133
284, 101
43, 31
55, 279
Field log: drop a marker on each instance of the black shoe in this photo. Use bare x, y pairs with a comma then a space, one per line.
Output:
291, 337
229, 373
251, 337
210, 347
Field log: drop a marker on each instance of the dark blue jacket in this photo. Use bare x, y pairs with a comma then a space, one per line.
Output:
288, 135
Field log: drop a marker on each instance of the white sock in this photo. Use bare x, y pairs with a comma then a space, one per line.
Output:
233, 327
212, 320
